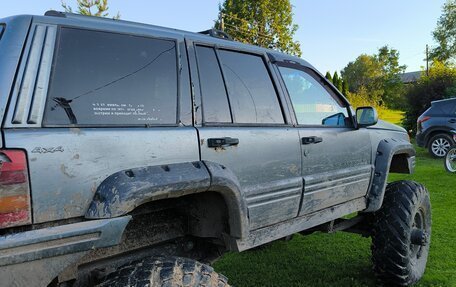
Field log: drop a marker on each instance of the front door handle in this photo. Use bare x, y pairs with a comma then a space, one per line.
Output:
452, 121
222, 142
311, 140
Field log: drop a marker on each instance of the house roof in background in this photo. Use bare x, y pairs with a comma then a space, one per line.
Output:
410, 77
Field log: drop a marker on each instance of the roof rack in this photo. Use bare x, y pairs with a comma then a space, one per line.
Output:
217, 34
54, 13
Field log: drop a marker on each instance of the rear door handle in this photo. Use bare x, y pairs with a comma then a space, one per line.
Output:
311, 140
222, 142
452, 121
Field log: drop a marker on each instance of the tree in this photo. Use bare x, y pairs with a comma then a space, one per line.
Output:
337, 81
344, 87
445, 34
328, 76
265, 23
392, 85
378, 74
85, 8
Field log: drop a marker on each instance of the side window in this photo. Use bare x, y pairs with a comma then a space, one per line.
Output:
312, 103
1, 30
252, 95
215, 101
102, 78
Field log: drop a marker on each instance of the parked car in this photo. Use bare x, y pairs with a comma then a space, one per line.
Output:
130, 153
436, 127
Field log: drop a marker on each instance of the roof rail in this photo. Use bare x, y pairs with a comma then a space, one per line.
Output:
217, 34
54, 13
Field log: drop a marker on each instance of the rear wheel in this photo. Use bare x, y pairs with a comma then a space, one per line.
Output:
450, 160
402, 233
165, 272
439, 145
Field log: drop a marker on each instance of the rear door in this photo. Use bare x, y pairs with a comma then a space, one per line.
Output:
242, 109
92, 102
336, 157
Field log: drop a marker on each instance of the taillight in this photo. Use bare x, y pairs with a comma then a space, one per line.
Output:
14, 189
423, 119
420, 122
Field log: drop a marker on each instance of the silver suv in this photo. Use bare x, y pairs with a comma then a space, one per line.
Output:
130, 152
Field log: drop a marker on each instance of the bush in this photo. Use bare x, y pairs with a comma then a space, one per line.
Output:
439, 84
364, 99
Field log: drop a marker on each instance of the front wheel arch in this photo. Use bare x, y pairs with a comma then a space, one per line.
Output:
391, 155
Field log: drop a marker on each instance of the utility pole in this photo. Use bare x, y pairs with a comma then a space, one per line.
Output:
222, 21
427, 60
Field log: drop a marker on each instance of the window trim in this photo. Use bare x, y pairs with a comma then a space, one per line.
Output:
223, 80
2, 29
326, 85
265, 60
178, 82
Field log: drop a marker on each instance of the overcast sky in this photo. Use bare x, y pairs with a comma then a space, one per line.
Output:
332, 32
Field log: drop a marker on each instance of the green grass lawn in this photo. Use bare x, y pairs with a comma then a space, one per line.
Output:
343, 259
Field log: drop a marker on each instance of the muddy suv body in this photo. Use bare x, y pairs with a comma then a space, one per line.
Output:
123, 141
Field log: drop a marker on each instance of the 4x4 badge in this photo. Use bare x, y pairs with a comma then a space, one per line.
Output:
47, 149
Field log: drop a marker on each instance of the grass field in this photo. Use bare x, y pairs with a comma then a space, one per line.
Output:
343, 259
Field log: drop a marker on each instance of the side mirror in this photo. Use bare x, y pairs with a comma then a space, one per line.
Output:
366, 116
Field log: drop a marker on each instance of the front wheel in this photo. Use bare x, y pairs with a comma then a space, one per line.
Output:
401, 234
450, 160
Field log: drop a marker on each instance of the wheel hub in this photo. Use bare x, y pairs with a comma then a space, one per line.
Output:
419, 237
440, 146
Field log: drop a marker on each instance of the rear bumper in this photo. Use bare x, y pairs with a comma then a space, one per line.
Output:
35, 258
421, 140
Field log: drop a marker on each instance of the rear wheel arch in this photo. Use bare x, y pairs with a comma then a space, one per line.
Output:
124, 191
435, 132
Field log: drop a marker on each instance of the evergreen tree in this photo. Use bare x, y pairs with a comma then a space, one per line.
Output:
328, 76
336, 80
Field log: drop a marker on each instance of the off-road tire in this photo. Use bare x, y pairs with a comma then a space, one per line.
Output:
442, 137
165, 272
396, 260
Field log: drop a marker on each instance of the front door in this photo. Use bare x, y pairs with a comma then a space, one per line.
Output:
245, 130
336, 157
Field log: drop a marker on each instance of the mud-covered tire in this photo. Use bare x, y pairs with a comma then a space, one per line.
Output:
165, 272
406, 208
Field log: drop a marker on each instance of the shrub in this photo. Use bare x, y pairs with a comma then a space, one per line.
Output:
363, 99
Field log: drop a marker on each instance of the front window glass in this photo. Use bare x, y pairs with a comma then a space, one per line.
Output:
312, 103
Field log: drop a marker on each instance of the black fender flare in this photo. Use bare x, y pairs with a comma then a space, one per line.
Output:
123, 191
386, 150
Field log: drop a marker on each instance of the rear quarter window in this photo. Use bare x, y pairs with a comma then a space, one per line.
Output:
443, 108
102, 78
